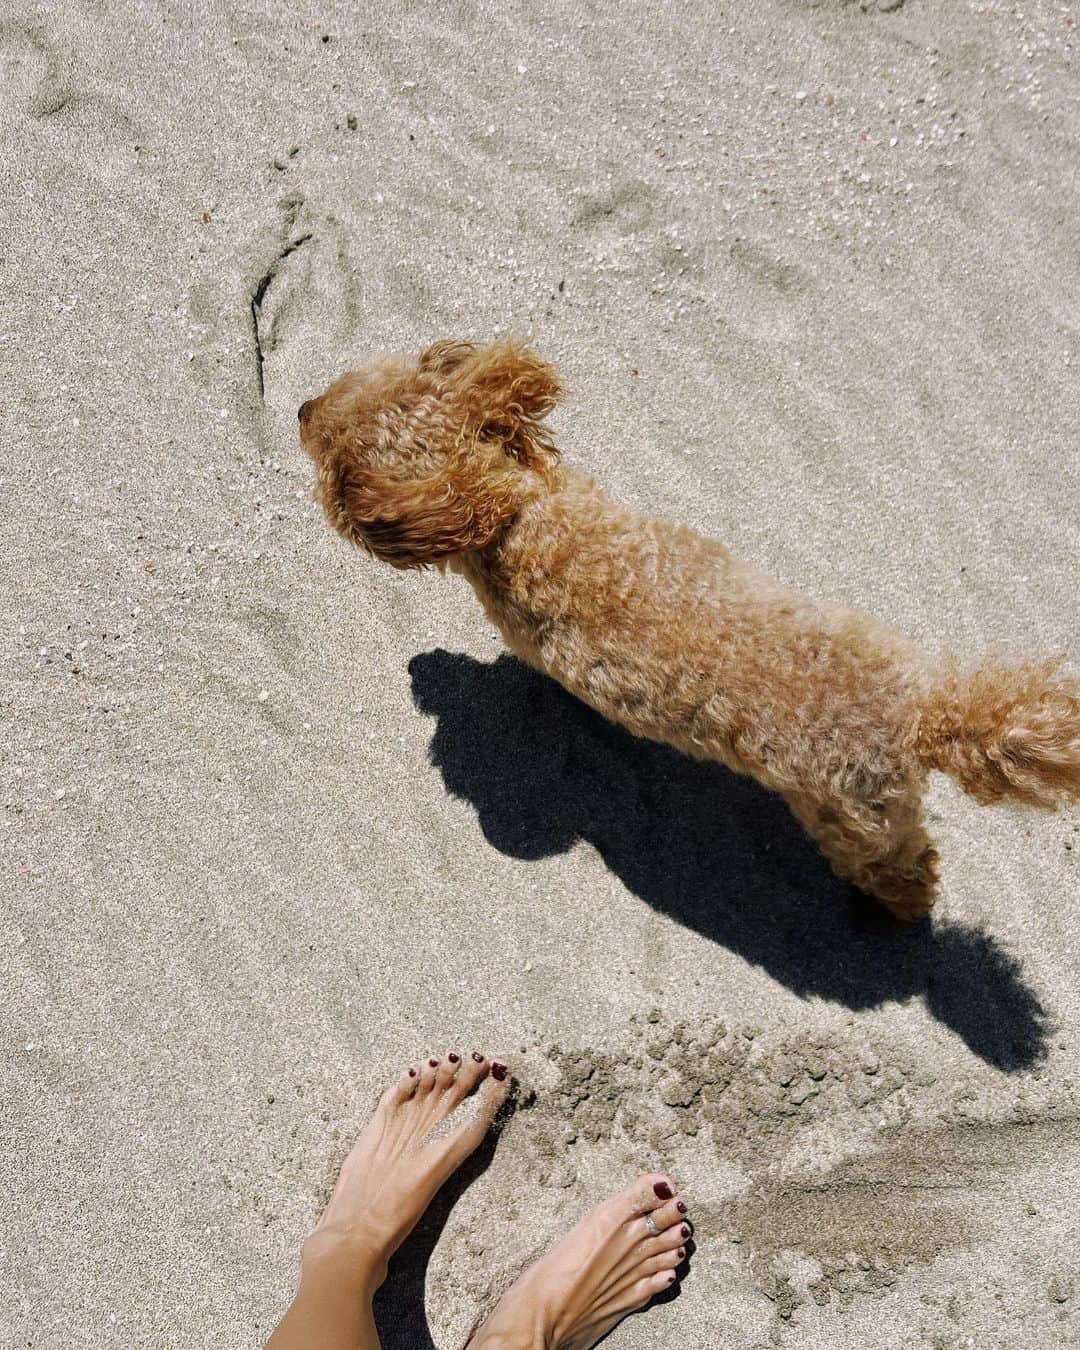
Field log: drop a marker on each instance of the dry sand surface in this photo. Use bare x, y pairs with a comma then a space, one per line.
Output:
277, 819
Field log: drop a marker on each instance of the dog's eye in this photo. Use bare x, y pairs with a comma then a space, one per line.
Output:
499, 431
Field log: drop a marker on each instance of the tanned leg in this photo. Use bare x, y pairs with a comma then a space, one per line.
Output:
423, 1129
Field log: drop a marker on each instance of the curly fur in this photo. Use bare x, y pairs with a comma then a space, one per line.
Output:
443, 459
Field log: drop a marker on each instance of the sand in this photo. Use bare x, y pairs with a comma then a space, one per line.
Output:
278, 820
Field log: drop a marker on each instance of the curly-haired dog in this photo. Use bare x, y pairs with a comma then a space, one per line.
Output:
444, 459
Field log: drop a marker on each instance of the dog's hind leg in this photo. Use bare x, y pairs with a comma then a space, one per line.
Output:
883, 849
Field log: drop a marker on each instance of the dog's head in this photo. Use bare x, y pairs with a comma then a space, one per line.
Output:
421, 458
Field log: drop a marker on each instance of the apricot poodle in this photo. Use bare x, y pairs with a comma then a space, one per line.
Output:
444, 460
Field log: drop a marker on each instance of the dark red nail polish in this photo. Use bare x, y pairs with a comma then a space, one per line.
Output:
452, 1057
662, 1190
434, 1063
681, 1207
478, 1056
671, 1278
498, 1071
682, 1253
412, 1073
686, 1230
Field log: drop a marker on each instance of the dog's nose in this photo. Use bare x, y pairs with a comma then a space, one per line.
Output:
303, 409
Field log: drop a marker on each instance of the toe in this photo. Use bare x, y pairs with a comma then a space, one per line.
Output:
625, 1213
428, 1070
656, 1265
648, 1286
669, 1214
480, 1110
637, 1292
400, 1091
670, 1239
472, 1070
447, 1071
662, 1280
648, 1193
493, 1091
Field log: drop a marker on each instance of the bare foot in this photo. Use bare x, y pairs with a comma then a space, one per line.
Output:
423, 1129
611, 1264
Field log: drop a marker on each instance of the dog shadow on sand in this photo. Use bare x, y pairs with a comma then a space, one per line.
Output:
708, 847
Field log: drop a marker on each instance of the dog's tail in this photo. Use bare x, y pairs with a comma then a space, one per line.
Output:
1004, 732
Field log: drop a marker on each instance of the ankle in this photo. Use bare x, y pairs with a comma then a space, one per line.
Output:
346, 1257
519, 1326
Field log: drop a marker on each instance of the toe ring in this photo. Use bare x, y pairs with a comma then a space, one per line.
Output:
650, 1225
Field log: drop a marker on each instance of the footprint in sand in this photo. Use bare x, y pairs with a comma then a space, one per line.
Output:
31, 73
304, 310
40, 81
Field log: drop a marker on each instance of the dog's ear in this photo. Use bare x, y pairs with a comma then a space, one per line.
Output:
443, 357
417, 522
508, 391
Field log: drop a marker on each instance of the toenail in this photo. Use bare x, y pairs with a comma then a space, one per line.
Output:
662, 1190
682, 1253
434, 1063
452, 1057
685, 1230
412, 1073
478, 1056
681, 1207
671, 1278
498, 1071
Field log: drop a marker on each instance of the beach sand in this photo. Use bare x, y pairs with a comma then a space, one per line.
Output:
279, 820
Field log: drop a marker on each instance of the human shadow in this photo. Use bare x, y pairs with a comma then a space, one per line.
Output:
708, 847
